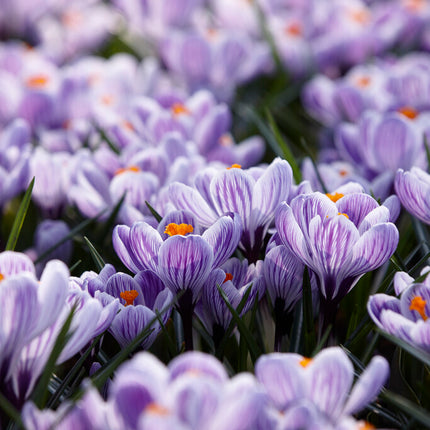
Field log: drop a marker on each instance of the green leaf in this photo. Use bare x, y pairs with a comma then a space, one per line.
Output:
156, 215
10, 411
40, 393
19, 219
308, 319
284, 147
317, 172
417, 353
110, 222
418, 413
220, 350
106, 138
252, 344
72, 373
97, 258
80, 227
322, 341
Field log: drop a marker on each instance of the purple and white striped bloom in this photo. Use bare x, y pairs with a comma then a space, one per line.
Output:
413, 189
318, 390
253, 194
235, 278
338, 237
405, 317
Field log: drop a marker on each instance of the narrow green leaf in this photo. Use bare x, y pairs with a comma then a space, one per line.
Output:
170, 342
322, 341
40, 393
72, 373
417, 353
97, 258
220, 350
368, 353
297, 329
19, 219
79, 228
106, 138
288, 155
110, 222
426, 146
156, 215
10, 411
252, 345
410, 408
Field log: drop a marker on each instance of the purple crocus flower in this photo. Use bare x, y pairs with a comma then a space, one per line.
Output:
405, 317
183, 261
253, 194
318, 390
235, 278
413, 189
338, 237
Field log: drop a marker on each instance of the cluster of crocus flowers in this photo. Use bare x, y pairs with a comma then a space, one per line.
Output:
404, 317
339, 237
194, 392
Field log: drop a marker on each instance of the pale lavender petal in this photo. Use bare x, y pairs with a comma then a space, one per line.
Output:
178, 217
120, 282
145, 242
224, 236
121, 244
331, 376
356, 206
380, 302
401, 281
368, 385
13, 263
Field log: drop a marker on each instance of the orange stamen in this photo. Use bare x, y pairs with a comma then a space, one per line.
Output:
334, 197
361, 16
134, 169
235, 166
344, 214
294, 29
363, 81
408, 112
226, 140
414, 5
419, 304
1, 277
129, 296
305, 362
156, 409
174, 229
343, 172
37, 81
179, 109
228, 277
107, 99
364, 425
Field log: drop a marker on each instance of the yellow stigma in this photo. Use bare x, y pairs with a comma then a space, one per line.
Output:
408, 112
293, 29
173, 229
134, 169
419, 304
129, 296
305, 362
1, 277
334, 197
37, 81
235, 166
179, 109
156, 409
228, 277
344, 214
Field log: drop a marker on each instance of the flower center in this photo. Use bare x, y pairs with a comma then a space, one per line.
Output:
156, 409
334, 197
228, 277
129, 296
173, 229
179, 109
305, 362
235, 166
134, 169
360, 16
344, 214
363, 81
364, 425
37, 81
419, 304
1, 277
408, 112
294, 29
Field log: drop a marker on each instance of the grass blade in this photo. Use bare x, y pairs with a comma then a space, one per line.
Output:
19, 219
156, 215
97, 258
10, 411
286, 151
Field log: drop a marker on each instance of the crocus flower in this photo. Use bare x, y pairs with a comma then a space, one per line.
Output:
184, 261
404, 317
253, 194
338, 237
318, 390
235, 278
413, 188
